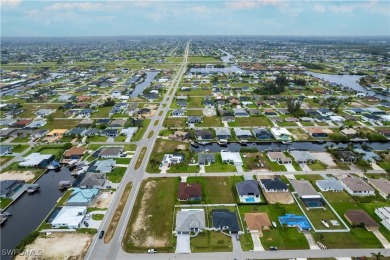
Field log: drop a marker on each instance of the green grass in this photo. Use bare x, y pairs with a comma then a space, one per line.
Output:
215, 189
116, 174
250, 121
154, 205
195, 102
175, 122
317, 166
194, 113
141, 131
4, 202
203, 59
384, 165
274, 166
122, 160
21, 140
183, 168
211, 241
61, 124
102, 112
20, 148
357, 238
150, 134
97, 138
211, 121
140, 157
120, 138
130, 147
97, 216
219, 166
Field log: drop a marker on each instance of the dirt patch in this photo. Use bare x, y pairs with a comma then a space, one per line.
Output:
356, 104
103, 200
139, 227
325, 158
60, 246
181, 147
275, 197
18, 175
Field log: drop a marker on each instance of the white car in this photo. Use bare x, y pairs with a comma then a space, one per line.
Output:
152, 251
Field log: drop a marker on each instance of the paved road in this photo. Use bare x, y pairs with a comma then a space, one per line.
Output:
99, 250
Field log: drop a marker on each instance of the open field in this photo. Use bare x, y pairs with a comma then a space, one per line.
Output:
250, 121
211, 241
61, 124
146, 228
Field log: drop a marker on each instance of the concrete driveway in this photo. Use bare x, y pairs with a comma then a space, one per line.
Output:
257, 246
289, 167
304, 167
183, 244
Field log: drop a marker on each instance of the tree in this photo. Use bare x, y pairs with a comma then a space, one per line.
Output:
377, 256
294, 106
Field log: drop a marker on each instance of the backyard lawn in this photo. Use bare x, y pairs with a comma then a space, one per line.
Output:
219, 166
250, 121
211, 121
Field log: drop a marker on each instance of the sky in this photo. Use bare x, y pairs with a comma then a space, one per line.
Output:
201, 17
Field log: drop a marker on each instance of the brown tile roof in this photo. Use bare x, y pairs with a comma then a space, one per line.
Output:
315, 130
187, 191
360, 216
257, 221
75, 151
381, 184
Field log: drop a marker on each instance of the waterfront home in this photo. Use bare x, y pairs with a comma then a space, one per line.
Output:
248, 191
357, 187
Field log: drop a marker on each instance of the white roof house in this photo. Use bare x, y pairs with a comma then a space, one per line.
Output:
34, 159
330, 184
384, 214
281, 133
70, 217
129, 132
230, 157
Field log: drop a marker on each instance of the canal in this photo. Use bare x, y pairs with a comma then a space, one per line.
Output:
150, 75
30, 210
264, 146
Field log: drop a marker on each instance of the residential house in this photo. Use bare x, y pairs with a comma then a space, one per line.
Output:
44, 112
76, 131
82, 197
279, 157
357, 187
203, 134
273, 185
228, 119
302, 156
223, 133
93, 180
306, 192
330, 184
178, 113
110, 152
36, 160
8, 188
118, 123
242, 133
55, 134
349, 132
22, 123
346, 156
248, 191
5, 133
231, 157
316, 132
69, 217
281, 134
261, 133
190, 221
85, 123
257, 222
225, 220
6, 149
373, 119
359, 216
325, 112
368, 155
189, 192
206, 158
240, 112
180, 136
384, 214
270, 112
382, 185
194, 120
90, 132
74, 153
254, 112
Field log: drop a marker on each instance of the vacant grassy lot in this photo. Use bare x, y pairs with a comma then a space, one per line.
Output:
147, 228
195, 92
141, 131
61, 124
102, 112
118, 213
195, 102
211, 241
21, 139
116, 174
5, 159
97, 138
122, 160
250, 121
175, 122
20, 148
204, 59
182, 168
317, 166
215, 189
219, 166
194, 112
211, 121
357, 238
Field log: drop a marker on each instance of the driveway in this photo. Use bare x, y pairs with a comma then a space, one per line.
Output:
236, 244
257, 246
183, 244
381, 238
305, 167
289, 167
311, 241
239, 167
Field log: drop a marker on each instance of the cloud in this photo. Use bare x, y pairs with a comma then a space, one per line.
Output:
245, 4
348, 7
85, 6
11, 3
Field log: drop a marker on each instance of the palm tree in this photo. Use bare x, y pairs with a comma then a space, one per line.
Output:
378, 255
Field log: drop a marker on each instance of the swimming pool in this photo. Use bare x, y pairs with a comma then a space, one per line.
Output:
249, 199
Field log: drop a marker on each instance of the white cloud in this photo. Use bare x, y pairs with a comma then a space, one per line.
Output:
86, 6
245, 4
11, 3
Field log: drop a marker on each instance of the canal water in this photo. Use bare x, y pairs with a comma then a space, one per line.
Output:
351, 81
264, 146
150, 75
30, 210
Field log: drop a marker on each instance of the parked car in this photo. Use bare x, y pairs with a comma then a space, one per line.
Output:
101, 235
273, 248
152, 251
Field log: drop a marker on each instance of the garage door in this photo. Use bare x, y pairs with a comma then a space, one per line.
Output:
183, 244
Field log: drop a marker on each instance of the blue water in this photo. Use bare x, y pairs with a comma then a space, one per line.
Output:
250, 200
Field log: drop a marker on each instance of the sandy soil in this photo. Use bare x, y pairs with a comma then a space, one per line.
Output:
61, 246
356, 104
17, 175
275, 197
325, 158
103, 200
139, 228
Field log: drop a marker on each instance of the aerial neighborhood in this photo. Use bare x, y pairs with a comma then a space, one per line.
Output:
173, 146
